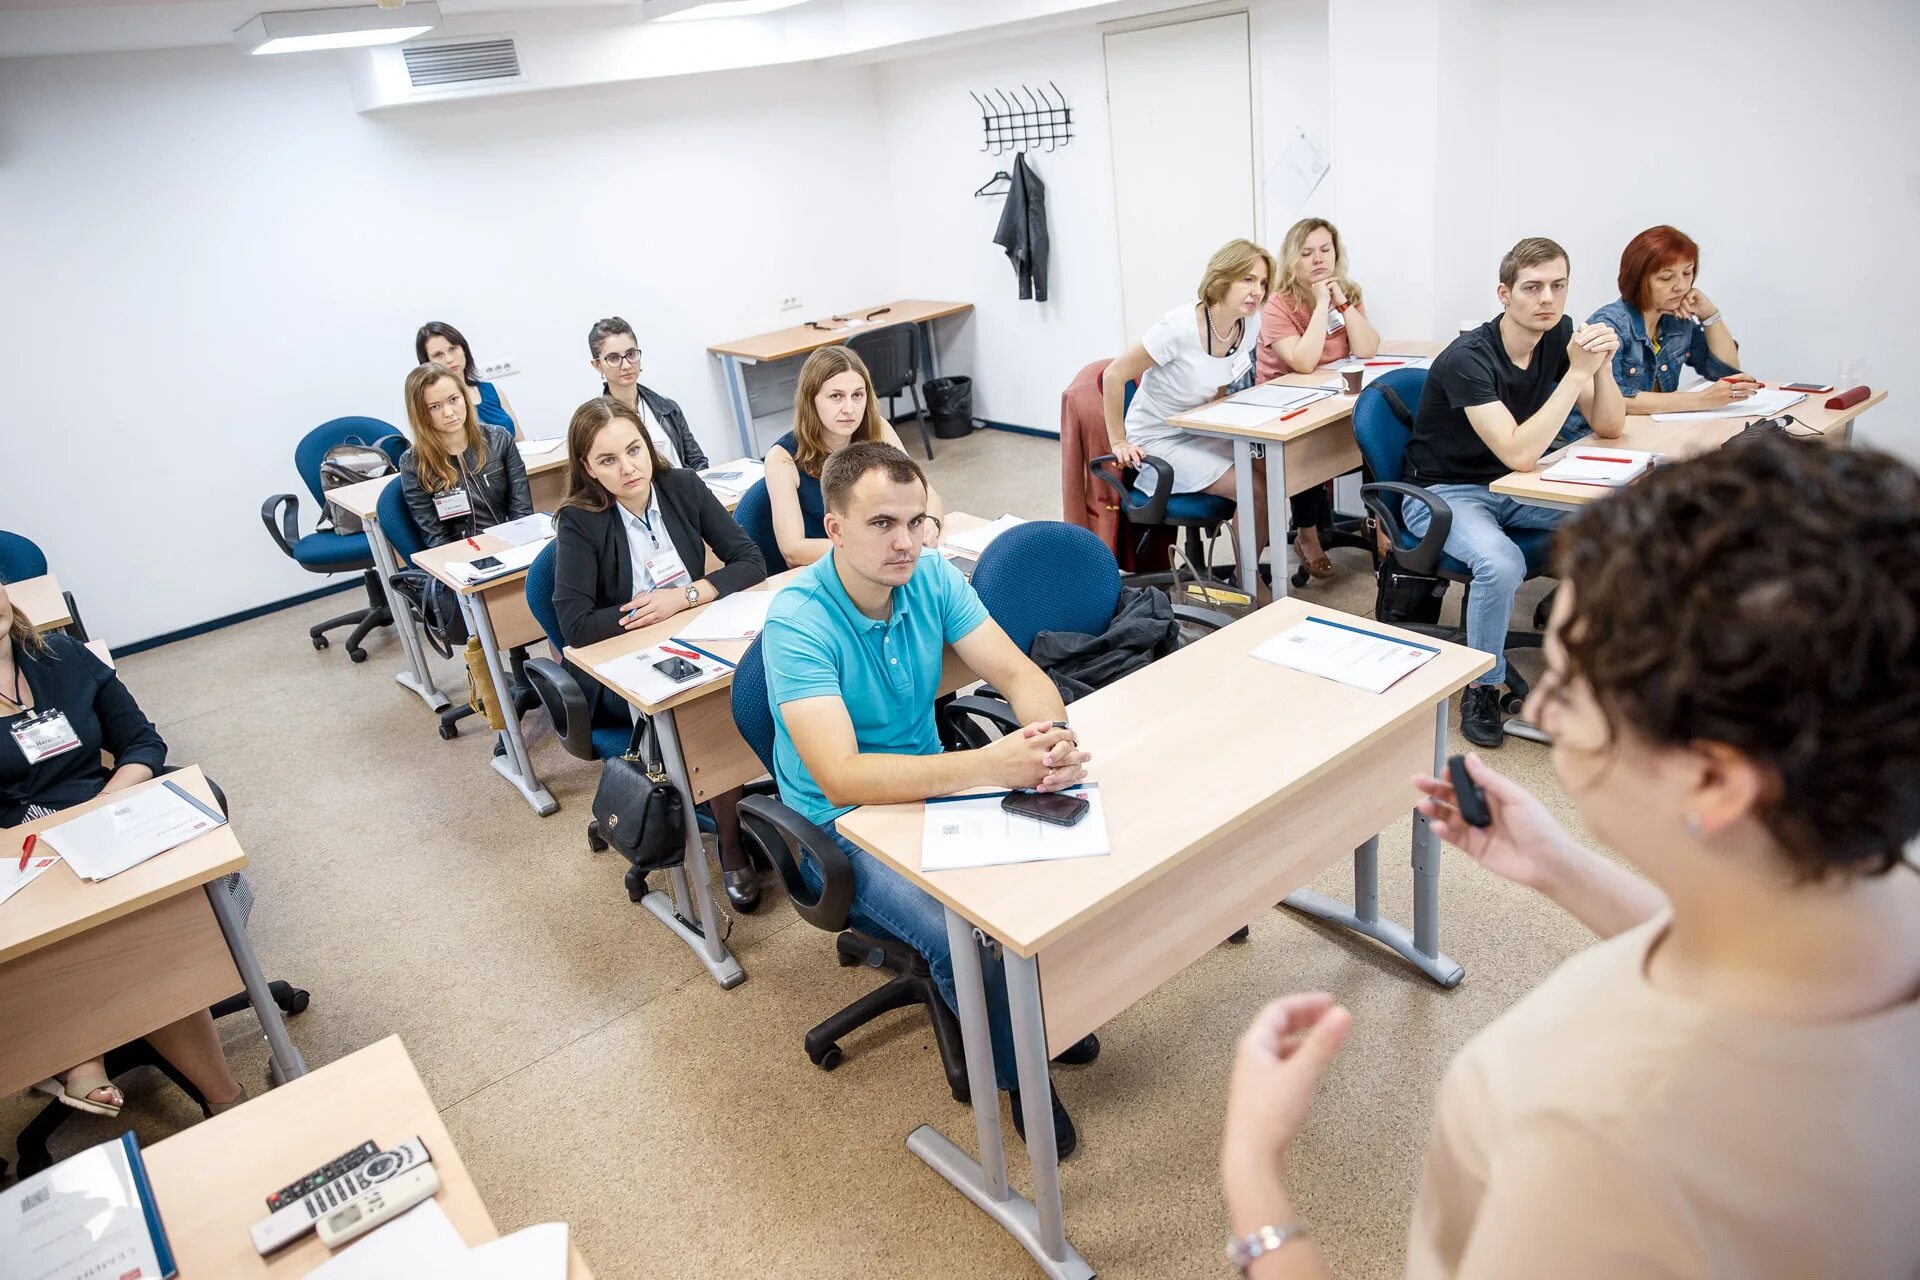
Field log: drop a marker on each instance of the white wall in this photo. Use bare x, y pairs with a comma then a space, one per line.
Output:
207, 255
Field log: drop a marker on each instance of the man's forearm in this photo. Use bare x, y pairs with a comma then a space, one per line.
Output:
1531, 438
1034, 697
1598, 892
873, 778
1609, 416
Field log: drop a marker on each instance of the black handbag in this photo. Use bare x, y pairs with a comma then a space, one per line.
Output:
638, 810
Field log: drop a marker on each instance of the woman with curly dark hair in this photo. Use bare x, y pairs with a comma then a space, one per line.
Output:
1727, 1085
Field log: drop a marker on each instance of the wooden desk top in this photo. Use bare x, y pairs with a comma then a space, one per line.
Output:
98, 648
588, 657
1236, 738
211, 1181
60, 904
799, 340
40, 601
363, 499
1670, 440
1320, 413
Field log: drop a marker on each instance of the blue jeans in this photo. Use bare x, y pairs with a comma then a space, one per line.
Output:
1478, 538
887, 906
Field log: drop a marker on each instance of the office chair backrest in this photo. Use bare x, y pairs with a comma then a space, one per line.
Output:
1046, 575
755, 515
751, 714
312, 449
892, 355
540, 597
20, 557
1377, 429
396, 523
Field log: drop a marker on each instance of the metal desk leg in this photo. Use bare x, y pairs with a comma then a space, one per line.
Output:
702, 934
514, 766
1040, 1231
1421, 947
287, 1063
1246, 525
929, 358
1277, 516
416, 677
742, 413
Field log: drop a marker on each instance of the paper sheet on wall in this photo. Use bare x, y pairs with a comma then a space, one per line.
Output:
1290, 180
974, 831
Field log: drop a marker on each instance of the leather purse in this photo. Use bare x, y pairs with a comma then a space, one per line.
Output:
638, 810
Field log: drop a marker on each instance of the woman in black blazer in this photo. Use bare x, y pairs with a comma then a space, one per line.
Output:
630, 550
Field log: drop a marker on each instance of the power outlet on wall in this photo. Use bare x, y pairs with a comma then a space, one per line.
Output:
790, 303
498, 369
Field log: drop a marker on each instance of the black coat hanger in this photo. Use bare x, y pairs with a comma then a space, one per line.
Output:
987, 188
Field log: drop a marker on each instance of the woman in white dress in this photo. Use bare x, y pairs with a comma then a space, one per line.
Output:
1191, 355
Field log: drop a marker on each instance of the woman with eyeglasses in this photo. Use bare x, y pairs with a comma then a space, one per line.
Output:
438, 342
616, 358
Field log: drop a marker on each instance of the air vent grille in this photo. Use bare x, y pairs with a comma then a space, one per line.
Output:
435, 65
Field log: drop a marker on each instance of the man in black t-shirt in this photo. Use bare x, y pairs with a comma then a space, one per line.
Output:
1494, 400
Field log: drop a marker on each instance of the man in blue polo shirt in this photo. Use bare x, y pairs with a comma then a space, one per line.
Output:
853, 651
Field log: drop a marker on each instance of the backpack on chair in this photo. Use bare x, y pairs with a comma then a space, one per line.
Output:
350, 462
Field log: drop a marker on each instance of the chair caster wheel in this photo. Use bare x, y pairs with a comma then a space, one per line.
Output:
847, 961
1299, 578
319, 642
499, 747
357, 655
828, 1058
1513, 703
636, 884
1241, 934
296, 1002
596, 841
449, 732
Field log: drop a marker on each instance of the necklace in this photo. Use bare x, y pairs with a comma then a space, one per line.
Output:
1239, 330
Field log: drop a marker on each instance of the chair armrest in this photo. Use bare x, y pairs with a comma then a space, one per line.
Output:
281, 515
566, 705
1154, 509
1424, 557
778, 832
1211, 619
76, 627
957, 719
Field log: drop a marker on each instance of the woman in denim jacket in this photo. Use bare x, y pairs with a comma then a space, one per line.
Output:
1665, 322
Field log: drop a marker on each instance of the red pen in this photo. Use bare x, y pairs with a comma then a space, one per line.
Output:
1375, 364
473, 544
1599, 457
1294, 413
26, 848
1755, 381
688, 654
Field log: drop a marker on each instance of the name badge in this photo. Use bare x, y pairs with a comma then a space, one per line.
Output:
666, 569
1335, 321
41, 737
452, 504
1241, 363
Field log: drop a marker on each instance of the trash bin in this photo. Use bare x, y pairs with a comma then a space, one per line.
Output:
950, 405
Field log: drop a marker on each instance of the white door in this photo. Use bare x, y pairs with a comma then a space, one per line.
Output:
1180, 113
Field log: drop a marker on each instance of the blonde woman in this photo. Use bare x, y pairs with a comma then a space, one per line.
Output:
833, 406
1314, 318
461, 475
1189, 356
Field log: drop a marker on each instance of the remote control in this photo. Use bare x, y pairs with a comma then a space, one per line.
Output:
294, 1219
1467, 796
380, 1203
326, 1173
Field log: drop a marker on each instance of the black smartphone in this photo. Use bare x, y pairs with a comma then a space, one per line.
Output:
1061, 808
1809, 388
1468, 798
676, 669
485, 563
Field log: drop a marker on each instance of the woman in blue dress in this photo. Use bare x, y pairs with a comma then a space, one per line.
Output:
440, 343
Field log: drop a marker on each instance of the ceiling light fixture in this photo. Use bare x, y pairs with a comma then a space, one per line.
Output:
305, 30
726, 9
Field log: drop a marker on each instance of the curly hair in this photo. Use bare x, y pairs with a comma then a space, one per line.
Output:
1766, 596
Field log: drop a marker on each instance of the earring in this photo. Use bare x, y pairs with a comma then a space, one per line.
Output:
1693, 824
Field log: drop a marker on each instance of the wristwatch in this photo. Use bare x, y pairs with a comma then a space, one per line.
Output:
1243, 1250
693, 595
1710, 321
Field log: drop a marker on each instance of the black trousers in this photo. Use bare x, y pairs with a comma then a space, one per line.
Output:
1313, 508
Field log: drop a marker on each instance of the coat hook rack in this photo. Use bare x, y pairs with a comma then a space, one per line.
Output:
1042, 121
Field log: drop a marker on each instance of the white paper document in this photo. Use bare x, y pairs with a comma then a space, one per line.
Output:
1761, 404
740, 616
636, 673
540, 450
1333, 650
1277, 395
735, 477
531, 1253
13, 878
512, 560
1588, 463
975, 541
86, 1216
1231, 414
420, 1242
537, 527
974, 831
126, 832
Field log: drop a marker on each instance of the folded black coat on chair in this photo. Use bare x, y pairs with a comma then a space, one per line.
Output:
1143, 628
1023, 229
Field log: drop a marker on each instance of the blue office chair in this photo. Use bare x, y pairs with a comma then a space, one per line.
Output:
325, 551
1382, 425
21, 558
755, 516
783, 837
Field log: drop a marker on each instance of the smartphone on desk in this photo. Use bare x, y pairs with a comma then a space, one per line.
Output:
487, 564
1806, 388
1061, 808
677, 670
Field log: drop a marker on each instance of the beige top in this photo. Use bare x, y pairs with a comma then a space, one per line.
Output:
1604, 1128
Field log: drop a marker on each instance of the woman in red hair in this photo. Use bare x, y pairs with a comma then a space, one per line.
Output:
1665, 322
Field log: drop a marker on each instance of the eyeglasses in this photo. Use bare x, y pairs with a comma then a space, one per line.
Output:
614, 359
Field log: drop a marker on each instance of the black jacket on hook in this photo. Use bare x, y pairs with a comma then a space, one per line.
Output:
1023, 229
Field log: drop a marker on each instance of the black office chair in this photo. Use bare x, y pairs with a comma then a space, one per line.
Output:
1382, 425
782, 837
30, 1146
892, 356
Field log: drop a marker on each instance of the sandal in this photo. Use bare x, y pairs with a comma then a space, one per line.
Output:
1320, 567
77, 1090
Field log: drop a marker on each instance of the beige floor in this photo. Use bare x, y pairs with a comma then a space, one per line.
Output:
591, 1071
